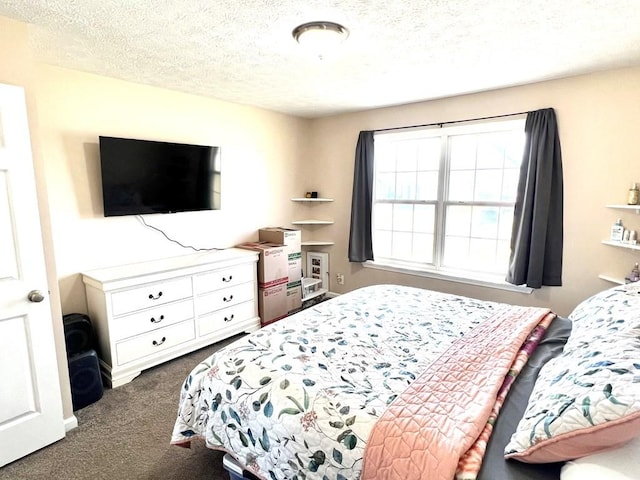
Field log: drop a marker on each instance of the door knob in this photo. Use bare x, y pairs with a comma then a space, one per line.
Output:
35, 296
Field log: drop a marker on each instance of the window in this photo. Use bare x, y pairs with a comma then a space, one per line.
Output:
444, 198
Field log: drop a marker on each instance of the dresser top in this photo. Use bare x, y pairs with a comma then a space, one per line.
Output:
172, 266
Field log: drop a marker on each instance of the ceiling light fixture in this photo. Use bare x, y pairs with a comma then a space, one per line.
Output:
321, 38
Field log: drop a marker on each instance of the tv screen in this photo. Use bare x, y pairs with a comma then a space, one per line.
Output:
144, 176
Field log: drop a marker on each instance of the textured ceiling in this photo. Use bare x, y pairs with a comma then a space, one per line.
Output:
398, 51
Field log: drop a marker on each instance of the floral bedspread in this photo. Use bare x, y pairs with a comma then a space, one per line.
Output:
298, 398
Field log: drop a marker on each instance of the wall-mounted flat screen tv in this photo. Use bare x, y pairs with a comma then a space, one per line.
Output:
144, 176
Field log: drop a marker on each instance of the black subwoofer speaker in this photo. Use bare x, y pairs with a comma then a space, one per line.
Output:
78, 333
84, 366
86, 381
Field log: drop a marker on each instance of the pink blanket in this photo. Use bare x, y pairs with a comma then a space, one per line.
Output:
426, 430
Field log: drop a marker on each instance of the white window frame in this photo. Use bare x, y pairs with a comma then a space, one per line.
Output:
442, 273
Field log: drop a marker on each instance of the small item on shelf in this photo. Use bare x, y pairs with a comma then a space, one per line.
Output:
310, 285
634, 195
307, 195
634, 276
633, 239
625, 236
617, 231
314, 194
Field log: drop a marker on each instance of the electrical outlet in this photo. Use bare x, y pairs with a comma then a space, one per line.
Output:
340, 279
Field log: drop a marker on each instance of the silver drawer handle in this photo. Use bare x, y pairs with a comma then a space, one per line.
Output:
160, 318
225, 279
228, 319
156, 344
152, 297
227, 299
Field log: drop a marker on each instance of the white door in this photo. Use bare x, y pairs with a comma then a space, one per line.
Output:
30, 401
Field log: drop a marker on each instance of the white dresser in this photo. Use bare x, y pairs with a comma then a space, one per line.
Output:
150, 312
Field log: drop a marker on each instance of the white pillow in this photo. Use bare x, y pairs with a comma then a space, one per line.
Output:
621, 463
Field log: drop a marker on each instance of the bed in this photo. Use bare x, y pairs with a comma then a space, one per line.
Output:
392, 382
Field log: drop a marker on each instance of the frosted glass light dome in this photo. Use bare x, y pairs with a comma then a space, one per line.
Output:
320, 38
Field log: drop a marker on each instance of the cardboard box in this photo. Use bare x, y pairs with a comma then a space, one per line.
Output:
273, 266
289, 237
272, 303
294, 261
294, 297
292, 240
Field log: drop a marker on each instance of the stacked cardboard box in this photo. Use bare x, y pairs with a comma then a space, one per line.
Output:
292, 241
273, 276
279, 272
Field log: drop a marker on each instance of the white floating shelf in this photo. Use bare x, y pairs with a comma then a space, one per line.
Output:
608, 278
636, 208
317, 243
621, 245
312, 199
312, 222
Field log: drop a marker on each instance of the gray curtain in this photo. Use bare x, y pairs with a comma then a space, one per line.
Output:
537, 235
360, 241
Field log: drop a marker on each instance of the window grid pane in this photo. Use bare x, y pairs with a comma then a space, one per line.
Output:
429, 154
405, 186
404, 231
402, 218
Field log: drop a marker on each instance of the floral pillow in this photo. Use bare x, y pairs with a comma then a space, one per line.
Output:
587, 399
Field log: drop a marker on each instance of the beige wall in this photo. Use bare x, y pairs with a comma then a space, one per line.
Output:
600, 139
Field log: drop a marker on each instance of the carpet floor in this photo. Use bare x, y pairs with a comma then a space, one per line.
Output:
126, 435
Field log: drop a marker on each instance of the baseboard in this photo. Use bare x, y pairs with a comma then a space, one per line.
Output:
70, 423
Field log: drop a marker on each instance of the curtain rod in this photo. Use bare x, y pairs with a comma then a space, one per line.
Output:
440, 124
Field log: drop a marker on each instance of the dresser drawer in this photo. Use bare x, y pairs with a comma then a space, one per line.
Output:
150, 295
225, 297
224, 278
154, 342
151, 319
225, 318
